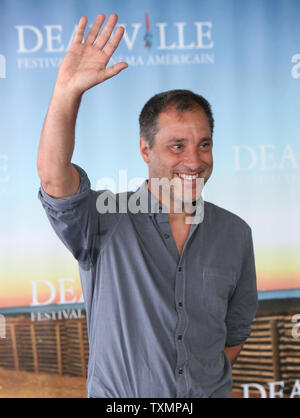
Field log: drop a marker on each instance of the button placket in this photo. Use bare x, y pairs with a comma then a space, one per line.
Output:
180, 330
164, 229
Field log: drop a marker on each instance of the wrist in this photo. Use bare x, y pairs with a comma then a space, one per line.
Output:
70, 93
66, 96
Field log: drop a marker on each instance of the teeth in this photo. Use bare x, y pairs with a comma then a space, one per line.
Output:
188, 177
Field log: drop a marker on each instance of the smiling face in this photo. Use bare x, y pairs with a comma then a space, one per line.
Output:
182, 150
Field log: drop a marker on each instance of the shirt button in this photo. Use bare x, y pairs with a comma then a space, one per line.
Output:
179, 269
180, 304
179, 337
180, 371
166, 236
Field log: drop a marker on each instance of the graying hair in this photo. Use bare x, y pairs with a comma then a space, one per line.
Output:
181, 100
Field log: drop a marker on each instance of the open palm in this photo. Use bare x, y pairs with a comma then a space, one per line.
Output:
84, 65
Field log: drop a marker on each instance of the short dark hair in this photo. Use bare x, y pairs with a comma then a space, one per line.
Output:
181, 100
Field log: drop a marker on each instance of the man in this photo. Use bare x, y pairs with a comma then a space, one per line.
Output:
169, 283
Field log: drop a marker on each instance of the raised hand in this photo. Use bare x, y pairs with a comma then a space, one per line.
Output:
84, 65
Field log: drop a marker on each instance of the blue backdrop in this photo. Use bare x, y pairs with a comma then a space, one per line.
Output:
243, 56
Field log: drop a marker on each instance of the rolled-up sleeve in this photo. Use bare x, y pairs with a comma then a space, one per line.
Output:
243, 304
74, 219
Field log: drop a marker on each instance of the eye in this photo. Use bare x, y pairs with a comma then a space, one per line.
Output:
206, 145
176, 147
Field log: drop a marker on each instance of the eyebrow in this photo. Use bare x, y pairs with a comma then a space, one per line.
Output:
181, 140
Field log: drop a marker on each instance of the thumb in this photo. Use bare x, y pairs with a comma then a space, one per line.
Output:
115, 69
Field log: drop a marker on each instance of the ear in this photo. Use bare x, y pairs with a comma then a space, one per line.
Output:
145, 150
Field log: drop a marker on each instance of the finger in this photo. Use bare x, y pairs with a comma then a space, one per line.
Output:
114, 41
93, 32
115, 69
80, 30
107, 31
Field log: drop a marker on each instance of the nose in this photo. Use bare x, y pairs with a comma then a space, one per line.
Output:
192, 159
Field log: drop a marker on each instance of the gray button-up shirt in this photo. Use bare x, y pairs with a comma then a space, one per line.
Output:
158, 322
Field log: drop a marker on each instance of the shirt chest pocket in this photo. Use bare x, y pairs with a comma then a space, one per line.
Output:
218, 287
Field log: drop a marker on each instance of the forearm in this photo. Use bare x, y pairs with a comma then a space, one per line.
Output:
57, 143
233, 352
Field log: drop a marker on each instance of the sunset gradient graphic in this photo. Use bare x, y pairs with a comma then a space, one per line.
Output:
59, 282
